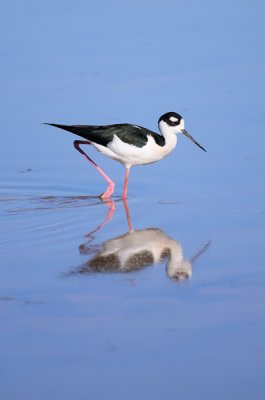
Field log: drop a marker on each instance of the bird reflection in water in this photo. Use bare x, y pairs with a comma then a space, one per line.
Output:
136, 250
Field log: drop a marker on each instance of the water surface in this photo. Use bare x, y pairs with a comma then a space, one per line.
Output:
162, 297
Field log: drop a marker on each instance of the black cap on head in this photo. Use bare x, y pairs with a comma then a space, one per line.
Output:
174, 119
171, 118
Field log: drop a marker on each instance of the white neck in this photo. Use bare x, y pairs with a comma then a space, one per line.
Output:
170, 135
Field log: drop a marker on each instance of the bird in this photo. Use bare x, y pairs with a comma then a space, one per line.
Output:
129, 144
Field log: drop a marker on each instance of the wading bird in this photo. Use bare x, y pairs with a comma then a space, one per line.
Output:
129, 144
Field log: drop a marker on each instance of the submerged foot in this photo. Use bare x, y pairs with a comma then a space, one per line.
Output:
108, 192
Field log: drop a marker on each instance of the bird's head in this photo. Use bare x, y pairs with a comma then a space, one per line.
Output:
173, 122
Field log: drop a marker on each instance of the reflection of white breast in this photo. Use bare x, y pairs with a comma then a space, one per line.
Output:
133, 243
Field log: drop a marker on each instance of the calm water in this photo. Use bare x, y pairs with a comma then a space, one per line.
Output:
162, 296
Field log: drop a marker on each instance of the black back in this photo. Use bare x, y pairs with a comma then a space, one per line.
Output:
137, 136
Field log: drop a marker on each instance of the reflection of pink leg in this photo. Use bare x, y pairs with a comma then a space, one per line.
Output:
124, 194
84, 248
109, 215
127, 214
111, 186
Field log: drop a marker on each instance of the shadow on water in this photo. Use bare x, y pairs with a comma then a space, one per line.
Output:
135, 250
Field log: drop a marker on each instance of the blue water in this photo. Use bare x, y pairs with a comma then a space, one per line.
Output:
74, 325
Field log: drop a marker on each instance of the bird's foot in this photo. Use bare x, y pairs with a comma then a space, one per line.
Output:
108, 192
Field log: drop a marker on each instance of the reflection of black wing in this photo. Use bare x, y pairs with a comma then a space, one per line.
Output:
103, 135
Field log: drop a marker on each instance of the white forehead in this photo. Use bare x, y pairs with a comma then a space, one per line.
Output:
173, 119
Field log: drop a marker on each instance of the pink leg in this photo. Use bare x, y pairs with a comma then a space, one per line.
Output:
111, 186
124, 194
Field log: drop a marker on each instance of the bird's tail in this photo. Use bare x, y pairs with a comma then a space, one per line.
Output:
81, 130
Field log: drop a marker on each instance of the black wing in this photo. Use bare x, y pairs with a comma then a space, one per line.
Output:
131, 134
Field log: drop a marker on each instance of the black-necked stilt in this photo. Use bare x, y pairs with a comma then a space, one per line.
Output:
130, 144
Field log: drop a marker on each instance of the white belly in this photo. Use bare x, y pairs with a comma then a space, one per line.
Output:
130, 155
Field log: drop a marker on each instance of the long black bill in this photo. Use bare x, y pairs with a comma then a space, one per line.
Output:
191, 138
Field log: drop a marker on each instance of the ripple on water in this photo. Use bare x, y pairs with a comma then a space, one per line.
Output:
15, 204
45, 218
